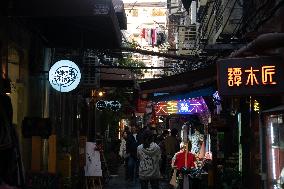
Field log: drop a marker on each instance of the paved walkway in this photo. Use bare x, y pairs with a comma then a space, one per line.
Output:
118, 182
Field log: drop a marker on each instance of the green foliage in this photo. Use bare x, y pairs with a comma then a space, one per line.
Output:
131, 44
130, 62
111, 118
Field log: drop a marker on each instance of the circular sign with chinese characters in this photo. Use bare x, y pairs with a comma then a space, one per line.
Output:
64, 76
101, 105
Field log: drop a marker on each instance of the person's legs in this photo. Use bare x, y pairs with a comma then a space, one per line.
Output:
168, 167
180, 180
126, 168
136, 170
196, 183
131, 168
163, 165
144, 184
154, 184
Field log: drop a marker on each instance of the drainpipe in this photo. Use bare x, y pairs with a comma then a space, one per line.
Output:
260, 44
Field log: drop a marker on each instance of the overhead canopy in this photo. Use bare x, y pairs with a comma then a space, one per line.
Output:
183, 82
115, 77
206, 91
73, 23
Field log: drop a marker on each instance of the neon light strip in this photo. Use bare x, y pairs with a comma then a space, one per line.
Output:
272, 152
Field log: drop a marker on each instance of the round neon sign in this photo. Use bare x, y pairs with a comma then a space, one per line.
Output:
64, 76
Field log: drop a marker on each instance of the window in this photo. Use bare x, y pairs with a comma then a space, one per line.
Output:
134, 12
158, 12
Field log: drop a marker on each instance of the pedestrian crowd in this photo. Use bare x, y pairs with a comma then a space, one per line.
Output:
150, 157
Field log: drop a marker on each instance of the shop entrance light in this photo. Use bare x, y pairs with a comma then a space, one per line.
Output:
97, 93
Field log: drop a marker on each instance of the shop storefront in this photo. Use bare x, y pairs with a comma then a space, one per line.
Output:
274, 145
258, 83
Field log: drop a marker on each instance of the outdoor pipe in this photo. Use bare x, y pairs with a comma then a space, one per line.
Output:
261, 43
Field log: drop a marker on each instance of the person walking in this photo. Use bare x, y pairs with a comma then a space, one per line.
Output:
122, 152
183, 161
122, 148
171, 145
163, 151
132, 142
149, 155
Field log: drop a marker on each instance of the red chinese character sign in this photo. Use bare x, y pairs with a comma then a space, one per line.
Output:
251, 76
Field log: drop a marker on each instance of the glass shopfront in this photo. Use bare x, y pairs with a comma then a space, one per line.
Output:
275, 150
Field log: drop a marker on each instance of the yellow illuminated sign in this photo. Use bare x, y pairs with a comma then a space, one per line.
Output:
267, 72
172, 107
251, 77
256, 106
235, 76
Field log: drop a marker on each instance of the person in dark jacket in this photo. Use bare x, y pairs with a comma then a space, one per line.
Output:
171, 146
11, 170
132, 142
163, 151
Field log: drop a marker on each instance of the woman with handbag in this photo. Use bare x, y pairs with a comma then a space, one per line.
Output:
183, 161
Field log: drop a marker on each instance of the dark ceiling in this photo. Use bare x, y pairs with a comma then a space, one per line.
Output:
72, 23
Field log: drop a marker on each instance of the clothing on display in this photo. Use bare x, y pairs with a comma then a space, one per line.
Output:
196, 141
153, 36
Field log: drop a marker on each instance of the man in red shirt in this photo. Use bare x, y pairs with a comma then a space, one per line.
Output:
180, 161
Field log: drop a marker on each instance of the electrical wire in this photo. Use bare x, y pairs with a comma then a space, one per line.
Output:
236, 30
215, 18
246, 22
255, 13
229, 16
231, 11
211, 13
273, 11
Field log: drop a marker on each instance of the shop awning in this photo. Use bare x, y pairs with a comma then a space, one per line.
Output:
208, 91
115, 77
181, 83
